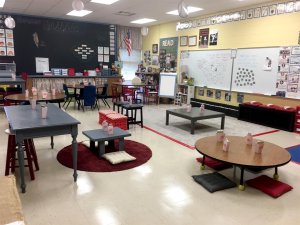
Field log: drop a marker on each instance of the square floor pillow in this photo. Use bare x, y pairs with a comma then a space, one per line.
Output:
118, 157
214, 181
269, 186
214, 164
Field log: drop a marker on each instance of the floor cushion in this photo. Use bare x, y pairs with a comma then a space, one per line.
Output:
269, 186
118, 157
214, 164
214, 181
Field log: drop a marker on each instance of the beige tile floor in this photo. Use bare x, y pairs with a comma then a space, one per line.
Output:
158, 192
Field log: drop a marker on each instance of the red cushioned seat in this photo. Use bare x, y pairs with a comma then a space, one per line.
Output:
255, 103
269, 186
214, 164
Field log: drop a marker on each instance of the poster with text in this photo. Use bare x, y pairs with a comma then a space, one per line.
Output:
203, 38
213, 37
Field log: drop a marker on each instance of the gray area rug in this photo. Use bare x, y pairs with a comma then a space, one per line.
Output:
179, 128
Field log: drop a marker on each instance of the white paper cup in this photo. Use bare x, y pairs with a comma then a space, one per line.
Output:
33, 103
44, 110
53, 91
110, 129
259, 147
44, 94
26, 93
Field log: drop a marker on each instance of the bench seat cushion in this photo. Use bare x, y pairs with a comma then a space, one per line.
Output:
118, 157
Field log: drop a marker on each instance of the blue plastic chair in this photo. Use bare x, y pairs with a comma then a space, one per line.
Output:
89, 97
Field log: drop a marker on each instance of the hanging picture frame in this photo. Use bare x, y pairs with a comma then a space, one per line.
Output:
192, 40
273, 10
154, 48
264, 11
183, 40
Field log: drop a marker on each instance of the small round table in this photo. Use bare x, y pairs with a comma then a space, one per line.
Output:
22, 97
242, 155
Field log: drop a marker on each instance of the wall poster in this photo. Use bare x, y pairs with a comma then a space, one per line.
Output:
168, 48
203, 38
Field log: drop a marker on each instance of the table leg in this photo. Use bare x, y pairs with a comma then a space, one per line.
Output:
167, 118
202, 167
242, 186
74, 155
222, 122
52, 142
101, 148
92, 146
21, 164
121, 144
276, 176
193, 126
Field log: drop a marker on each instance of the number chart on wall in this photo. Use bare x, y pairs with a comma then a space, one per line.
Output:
209, 68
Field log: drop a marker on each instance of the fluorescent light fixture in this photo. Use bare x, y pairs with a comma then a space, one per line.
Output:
105, 2
80, 13
142, 21
191, 9
2, 3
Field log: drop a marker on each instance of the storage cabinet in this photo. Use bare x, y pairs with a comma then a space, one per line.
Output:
297, 120
187, 92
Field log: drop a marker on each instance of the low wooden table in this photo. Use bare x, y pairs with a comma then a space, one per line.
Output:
195, 115
242, 155
100, 136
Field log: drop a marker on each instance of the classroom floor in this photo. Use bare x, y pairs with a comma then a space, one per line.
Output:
160, 191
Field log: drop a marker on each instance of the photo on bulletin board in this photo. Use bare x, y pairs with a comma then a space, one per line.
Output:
218, 94
264, 11
240, 98
183, 40
280, 8
227, 96
289, 7
209, 93
155, 48
257, 12
192, 40
243, 15
250, 13
155, 60
201, 92
273, 10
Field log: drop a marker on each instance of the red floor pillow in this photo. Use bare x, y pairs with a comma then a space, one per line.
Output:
214, 164
269, 186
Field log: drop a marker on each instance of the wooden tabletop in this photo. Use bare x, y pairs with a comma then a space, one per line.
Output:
129, 83
81, 86
240, 153
22, 97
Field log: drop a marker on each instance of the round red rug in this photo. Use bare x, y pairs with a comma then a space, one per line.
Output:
89, 161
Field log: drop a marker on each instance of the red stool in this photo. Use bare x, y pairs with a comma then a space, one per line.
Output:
11, 155
117, 120
103, 115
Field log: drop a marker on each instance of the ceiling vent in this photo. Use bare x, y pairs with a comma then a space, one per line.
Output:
123, 13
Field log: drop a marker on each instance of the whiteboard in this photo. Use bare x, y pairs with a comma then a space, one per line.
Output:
167, 85
209, 68
255, 70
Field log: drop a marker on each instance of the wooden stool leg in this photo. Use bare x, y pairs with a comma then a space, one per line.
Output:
33, 154
13, 154
10, 150
141, 110
29, 159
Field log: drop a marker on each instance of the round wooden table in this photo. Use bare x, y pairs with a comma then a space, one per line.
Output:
242, 155
22, 97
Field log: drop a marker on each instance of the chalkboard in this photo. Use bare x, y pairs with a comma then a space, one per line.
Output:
255, 70
167, 85
209, 68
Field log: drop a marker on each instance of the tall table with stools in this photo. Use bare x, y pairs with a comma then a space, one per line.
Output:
131, 113
32, 125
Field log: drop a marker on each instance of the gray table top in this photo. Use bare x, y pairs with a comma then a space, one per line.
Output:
22, 117
195, 113
101, 135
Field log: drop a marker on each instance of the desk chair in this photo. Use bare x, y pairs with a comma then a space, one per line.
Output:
104, 95
88, 97
69, 96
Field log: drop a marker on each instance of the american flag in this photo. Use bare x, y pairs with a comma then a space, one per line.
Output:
127, 40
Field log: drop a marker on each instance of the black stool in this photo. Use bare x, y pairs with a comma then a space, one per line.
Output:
131, 111
119, 104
